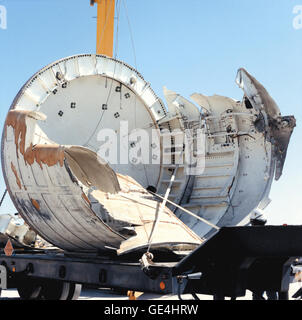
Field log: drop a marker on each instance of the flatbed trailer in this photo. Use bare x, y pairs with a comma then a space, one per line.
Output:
228, 263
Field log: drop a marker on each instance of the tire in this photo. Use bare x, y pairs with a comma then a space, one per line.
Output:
60, 290
29, 289
55, 290
74, 291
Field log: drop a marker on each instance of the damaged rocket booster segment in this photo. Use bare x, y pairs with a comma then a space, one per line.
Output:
78, 203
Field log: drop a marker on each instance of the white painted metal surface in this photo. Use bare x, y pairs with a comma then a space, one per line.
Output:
52, 135
246, 145
58, 183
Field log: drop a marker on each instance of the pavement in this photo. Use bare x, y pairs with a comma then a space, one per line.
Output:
104, 294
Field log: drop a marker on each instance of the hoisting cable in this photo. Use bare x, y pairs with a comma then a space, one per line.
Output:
147, 257
131, 33
118, 9
135, 64
186, 211
4, 194
162, 206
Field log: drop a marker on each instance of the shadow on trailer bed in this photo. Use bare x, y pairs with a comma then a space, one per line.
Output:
238, 258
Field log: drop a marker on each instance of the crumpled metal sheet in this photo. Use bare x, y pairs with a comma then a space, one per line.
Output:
246, 145
279, 129
77, 202
257, 94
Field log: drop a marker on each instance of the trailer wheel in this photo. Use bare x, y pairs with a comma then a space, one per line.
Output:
59, 290
55, 290
74, 291
29, 290
283, 295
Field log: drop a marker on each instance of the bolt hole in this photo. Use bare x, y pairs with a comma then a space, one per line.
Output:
30, 268
102, 276
62, 272
152, 189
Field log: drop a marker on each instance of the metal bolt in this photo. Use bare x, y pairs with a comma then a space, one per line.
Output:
59, 75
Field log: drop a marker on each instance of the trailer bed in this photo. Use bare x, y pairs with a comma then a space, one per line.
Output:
231, 261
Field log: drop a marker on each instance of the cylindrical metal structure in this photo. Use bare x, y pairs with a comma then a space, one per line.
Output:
66, 113
49, 156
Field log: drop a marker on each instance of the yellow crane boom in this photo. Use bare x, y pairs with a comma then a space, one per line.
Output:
105, 26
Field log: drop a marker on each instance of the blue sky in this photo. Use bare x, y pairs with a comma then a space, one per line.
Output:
189, 46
